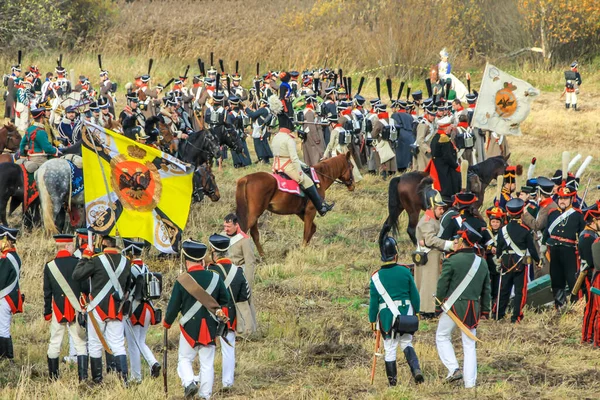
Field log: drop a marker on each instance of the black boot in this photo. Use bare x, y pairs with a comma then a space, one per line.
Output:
575, 107
3, 348
155, 370
82, 368
320, 205
96, 368
560, 298
53, 368
9, 349
391, 372
413, 363
111, 363
122, 367
567, 105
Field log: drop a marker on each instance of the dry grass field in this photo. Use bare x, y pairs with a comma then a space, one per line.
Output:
314, 340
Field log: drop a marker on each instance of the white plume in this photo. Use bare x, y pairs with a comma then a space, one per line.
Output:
565, 164
531, 169
574, 161
583, 166
128, 86
275, 104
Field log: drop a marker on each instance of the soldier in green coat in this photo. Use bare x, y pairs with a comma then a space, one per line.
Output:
464, 287
198, 325
393, 293
35, 145
239, 290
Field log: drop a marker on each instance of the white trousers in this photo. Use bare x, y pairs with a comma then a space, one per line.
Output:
112, 329
571, 98
443, 341
5, 318
138, 333
76, 335
228, 353
21, 117
391, 345
187, 355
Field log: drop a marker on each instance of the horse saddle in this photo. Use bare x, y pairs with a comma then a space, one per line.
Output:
288, 185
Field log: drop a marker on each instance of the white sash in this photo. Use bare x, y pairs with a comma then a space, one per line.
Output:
197, 305
6, 291
385, 295
64, 285
509, 242
560, 219
463, 285
110, 284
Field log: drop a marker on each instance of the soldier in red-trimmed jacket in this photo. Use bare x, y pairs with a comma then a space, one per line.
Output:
11, 300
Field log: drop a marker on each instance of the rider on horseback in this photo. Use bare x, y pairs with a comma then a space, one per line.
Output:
35, 143
286, 157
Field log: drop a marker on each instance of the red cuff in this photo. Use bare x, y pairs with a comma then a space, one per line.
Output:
48, 317
485, 313
168, 326
458, 169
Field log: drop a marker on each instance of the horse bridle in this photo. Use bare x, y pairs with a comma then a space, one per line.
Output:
347, 183
205, 181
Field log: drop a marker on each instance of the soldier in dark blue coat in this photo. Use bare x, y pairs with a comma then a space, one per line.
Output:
404, 123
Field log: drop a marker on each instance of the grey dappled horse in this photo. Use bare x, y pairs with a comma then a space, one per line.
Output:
54, 184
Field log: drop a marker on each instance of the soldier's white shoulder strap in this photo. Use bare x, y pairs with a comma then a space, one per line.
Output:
7, 290
560, 219
64, 285
235, 239
385, 295
463, 284
510, 243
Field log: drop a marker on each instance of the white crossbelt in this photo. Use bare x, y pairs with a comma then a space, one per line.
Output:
560, 219
397, 303
197, 305
230, 275
509, 242
385, 295
235, 239
6, 291
64, 285
463, 285
112, 279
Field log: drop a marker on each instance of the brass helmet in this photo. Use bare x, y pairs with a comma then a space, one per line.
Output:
433, 198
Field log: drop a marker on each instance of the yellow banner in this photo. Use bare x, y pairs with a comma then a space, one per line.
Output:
134, 190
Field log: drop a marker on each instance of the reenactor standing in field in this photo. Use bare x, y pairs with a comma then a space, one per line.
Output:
587, 238
313, 146
429, 254
63, 308
241, 249
464, 290
561, 236
201, 298
143, 315
11, 299
239, 291
110, 276
516, 250
573, 81
394, 306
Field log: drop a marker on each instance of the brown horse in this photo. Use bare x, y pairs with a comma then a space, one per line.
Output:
10, 139
258, 192
406, 193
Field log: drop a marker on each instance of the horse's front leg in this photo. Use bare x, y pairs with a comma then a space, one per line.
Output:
309, 226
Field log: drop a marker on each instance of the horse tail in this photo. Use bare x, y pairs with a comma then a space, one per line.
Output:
394, 205
241, 203
45, 202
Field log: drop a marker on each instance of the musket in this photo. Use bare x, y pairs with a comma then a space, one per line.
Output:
375, 355
90, 314
313, 123
586, 191
580, 279
165, 348
456, 320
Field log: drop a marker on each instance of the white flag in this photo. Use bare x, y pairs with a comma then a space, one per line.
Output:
503, 102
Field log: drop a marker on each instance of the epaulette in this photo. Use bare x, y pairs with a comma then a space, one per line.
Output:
444, 139
376, 272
